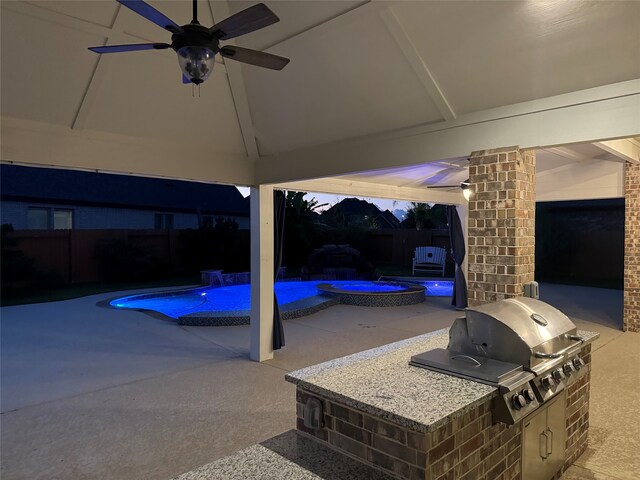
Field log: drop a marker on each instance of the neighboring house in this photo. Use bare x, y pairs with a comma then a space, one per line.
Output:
44, 198
355, 212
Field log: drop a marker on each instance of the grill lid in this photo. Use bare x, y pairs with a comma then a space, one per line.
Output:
535, 322
517, 330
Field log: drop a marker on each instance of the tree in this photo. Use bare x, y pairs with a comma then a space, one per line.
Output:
418, 215
422, 215
300, 227
226, 224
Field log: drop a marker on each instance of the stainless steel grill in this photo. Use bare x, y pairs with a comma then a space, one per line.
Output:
525, 347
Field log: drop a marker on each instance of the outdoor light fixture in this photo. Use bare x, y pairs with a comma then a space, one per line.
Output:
466, 189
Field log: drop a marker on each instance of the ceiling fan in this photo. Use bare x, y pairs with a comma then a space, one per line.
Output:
197, 45
465, 186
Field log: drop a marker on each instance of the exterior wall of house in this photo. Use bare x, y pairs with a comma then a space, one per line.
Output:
85, 217
631, 319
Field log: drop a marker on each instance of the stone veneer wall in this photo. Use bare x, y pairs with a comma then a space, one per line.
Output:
469, 447
631, 316
501, 223
466, 448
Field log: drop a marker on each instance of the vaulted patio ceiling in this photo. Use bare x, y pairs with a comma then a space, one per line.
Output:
426, 80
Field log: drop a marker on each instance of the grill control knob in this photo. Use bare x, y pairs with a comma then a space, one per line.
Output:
547, 382
528, 395
558, 376
578, 363
518, 402
567, 368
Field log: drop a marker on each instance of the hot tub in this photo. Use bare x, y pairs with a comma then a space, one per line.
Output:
374, 294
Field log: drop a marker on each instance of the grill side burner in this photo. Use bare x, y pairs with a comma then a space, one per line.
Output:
525, 347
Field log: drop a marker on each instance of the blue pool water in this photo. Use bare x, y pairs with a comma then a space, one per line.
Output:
368, 287
438, 288
237, 297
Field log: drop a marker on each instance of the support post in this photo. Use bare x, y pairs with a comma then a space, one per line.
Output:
501, 223
631, 313
261, 202
463, 213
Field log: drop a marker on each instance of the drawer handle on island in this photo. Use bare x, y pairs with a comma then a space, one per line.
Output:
550, 443
544, 441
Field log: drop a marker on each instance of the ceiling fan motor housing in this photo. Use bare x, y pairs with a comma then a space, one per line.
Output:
196, 47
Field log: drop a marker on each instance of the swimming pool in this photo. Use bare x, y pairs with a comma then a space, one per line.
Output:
236, 298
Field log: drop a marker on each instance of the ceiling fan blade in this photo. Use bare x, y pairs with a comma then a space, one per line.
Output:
254, 57
130, 48
463, 184
248, 20
153, 15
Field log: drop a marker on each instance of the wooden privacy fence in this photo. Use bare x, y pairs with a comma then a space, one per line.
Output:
396, 246
72, 253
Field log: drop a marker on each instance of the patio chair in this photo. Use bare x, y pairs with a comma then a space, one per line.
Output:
429, 259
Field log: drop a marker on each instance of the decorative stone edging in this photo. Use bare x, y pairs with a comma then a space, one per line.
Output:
297, 309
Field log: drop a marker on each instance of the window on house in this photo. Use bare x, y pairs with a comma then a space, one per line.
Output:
37, 218
42, 218
164, 221
62, 219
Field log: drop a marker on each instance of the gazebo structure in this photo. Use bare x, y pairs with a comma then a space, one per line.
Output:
529, 100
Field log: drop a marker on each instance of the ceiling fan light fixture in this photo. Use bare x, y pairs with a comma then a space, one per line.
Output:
196, 63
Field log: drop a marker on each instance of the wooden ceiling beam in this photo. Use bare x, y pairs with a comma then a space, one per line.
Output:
410, 52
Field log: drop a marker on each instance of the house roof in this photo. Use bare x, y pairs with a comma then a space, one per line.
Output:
358, 207
48, 185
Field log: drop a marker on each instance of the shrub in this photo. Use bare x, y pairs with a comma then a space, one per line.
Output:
120, 260
16, 266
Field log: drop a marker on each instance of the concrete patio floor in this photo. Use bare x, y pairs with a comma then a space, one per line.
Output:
89, 392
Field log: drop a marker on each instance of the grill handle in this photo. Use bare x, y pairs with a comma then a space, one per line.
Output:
559, 353
466, 357
577, 338
546, 355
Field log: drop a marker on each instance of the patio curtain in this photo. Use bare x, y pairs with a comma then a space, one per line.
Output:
279, 202
456, 235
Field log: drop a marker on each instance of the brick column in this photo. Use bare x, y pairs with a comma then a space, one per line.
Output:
631, 316
501, 223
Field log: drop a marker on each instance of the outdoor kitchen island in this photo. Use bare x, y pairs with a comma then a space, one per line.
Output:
420, 424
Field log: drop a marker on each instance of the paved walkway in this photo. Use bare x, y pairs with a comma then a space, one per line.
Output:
89, 392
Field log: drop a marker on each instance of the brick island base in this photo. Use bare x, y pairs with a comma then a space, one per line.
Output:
466, 446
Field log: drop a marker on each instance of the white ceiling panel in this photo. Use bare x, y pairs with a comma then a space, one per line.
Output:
45, 68
344, 80
98, 12
489, 54
142, 95
295, 17
454, 171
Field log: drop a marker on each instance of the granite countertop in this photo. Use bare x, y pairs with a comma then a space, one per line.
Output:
382, 383
289, 456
